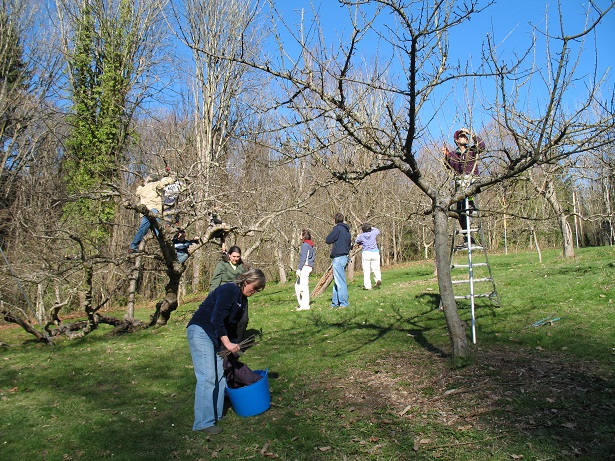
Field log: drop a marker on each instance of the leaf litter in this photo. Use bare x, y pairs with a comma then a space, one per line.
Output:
507, 390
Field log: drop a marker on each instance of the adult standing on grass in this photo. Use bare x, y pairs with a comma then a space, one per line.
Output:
341, 242
215, 325
228, 269
370, 255
304, 269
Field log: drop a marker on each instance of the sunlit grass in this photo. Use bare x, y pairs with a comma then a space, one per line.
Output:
337, 386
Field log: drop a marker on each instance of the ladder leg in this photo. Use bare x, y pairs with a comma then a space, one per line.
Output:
470, 267
467, 212
494, 294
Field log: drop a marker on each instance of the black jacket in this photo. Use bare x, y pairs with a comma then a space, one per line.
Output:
222, 313
340, 239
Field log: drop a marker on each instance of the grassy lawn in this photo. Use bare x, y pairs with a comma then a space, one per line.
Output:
370, 382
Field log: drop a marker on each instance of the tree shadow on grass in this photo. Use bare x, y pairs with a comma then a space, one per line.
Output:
351, 320
517, 402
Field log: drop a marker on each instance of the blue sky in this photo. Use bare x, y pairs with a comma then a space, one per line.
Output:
508, 23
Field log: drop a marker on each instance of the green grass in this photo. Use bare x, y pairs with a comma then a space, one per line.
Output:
370, 382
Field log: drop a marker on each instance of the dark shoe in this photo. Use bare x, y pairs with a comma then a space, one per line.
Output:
213, 430
132, 250
378, 283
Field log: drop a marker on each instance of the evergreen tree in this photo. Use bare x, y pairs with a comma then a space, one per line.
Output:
101, 80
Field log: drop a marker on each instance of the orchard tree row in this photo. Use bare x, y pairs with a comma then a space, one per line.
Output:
271, 127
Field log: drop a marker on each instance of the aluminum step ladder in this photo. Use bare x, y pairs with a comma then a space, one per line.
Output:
480, 283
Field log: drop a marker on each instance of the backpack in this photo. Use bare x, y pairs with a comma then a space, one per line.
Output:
171, 192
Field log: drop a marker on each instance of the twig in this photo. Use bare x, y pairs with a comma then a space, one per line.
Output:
245, 344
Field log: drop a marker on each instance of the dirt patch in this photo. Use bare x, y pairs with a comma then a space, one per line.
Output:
507, 391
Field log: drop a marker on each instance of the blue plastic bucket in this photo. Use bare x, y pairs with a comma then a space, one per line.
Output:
251, 400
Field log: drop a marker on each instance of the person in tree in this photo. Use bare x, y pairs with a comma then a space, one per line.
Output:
149, 193
215, 325
340, 240
182, 245
370, 255
463, 162
304, 269
170, 195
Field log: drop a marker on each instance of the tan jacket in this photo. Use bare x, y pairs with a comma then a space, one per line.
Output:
150, 195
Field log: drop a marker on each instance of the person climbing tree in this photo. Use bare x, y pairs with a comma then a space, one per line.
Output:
149, 193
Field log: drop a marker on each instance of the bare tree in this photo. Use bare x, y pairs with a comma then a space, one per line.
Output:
389, 118
28, 68
222, 96
110, 50
545, 185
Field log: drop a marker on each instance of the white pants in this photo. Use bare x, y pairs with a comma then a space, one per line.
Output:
302, 289
370, 261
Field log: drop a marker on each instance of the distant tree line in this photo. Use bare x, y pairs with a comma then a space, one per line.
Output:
96, 95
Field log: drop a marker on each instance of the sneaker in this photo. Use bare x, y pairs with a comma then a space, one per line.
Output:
378, 283
211, 430
132, 250
303, 308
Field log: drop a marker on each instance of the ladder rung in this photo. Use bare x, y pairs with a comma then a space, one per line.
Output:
487, 279
483, 295
463, 247
464, 231
469, 246
456, 266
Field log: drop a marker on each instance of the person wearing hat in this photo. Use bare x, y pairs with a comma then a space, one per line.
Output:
463, 162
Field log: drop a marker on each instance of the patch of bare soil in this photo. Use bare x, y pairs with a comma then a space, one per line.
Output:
507, 391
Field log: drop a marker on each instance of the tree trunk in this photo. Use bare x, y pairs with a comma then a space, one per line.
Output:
165, 307
280, 262
535, 237
564, 225
133, 278
460, 348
